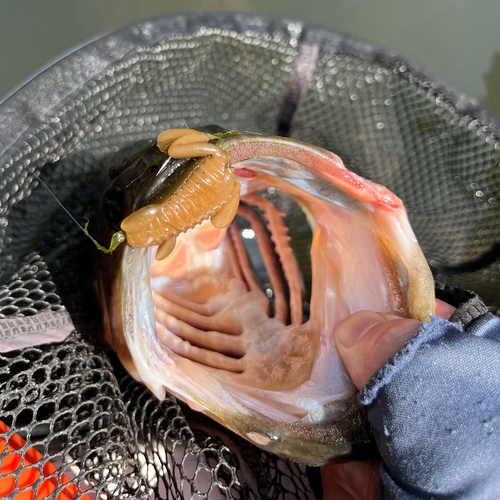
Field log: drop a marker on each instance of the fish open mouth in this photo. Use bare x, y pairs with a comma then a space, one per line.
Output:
232, 300
235, 310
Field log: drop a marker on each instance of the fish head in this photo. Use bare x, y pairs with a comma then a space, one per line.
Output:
236, 275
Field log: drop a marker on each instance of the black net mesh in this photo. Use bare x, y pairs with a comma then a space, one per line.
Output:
68, 410
388, 126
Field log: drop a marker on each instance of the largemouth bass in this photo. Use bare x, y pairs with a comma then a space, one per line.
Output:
210, 298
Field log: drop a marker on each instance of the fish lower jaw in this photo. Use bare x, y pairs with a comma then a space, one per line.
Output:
288, 422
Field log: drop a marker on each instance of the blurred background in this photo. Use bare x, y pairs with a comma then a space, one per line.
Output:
457, 41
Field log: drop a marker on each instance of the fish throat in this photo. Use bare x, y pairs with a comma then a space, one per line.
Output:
234, 300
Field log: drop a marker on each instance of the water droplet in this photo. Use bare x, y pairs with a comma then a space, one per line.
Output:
380, 125
269, 293
386, 431
479, 194
258, 438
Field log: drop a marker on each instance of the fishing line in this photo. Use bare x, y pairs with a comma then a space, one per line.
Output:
116, 239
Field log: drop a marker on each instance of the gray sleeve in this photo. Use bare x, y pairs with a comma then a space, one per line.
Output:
435, 411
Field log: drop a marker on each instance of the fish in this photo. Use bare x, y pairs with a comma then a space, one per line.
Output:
211, 298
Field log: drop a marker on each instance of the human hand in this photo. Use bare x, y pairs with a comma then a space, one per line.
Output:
365, 341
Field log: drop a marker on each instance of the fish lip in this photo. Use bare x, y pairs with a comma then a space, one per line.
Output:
327, 164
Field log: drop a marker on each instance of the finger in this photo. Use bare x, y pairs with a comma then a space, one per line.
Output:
443, 309
352, 480
366, 340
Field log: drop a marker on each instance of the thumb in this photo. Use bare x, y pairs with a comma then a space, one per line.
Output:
366, 340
